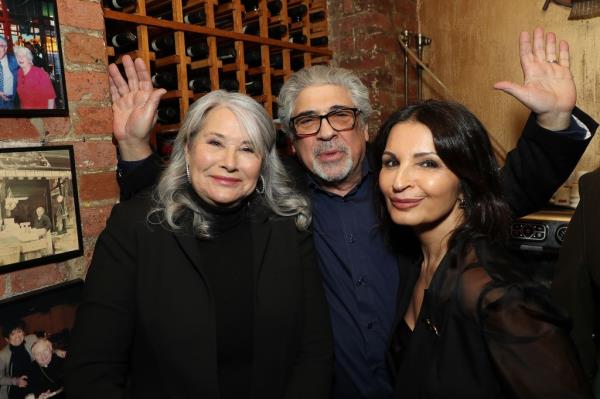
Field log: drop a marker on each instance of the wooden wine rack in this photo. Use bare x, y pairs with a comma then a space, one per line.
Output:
142, 19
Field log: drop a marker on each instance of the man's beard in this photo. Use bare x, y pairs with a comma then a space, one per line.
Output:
335, 171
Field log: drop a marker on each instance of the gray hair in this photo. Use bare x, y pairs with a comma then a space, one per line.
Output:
20, 50
320, 75
172, 195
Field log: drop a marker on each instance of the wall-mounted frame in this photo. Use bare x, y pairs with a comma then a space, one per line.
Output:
34, 84
39, 208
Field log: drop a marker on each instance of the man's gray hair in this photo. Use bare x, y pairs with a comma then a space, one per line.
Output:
320, 75
172, 192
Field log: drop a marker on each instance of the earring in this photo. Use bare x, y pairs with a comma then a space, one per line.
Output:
461, 203
260, 185
187, 172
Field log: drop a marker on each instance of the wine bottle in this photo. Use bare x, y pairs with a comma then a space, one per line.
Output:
229, 84
252, 56
276, 87
167, 115
297, 13
317, 16
275, 7
297, 63
120, 4
226, 54
254, 87
195, 17
277, 60
163, 44
164, 79
197, 50
298, 37
275, 31
200, 84
250, 5
123, 39
319, 41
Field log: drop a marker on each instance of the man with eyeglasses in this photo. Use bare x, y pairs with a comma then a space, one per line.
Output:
8, 76
325, 112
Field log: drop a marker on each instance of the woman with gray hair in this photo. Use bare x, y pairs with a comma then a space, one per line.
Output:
207, 286
34, 87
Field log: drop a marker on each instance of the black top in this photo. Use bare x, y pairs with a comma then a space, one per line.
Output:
229, 273
486, 338
50, 378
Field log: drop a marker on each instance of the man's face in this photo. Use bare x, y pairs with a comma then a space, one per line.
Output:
3, 49
39, 212
333, 156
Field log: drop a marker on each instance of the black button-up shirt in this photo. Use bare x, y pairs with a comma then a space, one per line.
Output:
361, 280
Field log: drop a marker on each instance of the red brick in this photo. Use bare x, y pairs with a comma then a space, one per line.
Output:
94, 220
81, 14
87, 86
18, 129
94, 120
369, 21
98, 186
95, 154
38, 277
84, 49
57, 127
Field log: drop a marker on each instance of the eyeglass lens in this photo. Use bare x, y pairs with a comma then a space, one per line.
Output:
340, 120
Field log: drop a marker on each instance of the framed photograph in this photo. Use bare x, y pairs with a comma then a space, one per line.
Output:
32, 79
39, 207
49, 314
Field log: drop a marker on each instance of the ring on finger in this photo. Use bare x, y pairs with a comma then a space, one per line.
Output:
552, 61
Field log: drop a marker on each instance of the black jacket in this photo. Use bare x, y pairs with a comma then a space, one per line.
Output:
576, 284
148, 311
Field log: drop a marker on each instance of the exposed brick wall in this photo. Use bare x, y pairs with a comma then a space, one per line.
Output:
88, 128
363, 36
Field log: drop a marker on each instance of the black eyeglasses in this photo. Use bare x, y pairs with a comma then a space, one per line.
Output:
341, 119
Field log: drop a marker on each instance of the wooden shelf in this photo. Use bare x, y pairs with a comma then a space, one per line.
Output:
142, 19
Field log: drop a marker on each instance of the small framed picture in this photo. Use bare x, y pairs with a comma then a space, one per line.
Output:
39, 208
32, 79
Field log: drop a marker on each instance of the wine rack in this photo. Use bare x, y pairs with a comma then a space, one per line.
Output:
194, 46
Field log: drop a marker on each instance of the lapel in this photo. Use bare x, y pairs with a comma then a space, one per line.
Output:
189, 245
261, 234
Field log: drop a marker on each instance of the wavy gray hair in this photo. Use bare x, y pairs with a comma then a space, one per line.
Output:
20, 50
320, 75
172, 194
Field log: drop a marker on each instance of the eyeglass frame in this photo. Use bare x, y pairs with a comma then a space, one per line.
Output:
355, 112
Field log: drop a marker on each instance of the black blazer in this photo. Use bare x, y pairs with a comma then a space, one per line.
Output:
576, 283
149, 312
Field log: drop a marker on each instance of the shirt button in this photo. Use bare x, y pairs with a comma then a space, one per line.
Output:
350, 238
360, 282
369, 325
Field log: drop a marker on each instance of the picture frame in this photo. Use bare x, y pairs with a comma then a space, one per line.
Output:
31, 46
40, 221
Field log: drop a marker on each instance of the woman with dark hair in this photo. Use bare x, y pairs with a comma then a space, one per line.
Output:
470, 324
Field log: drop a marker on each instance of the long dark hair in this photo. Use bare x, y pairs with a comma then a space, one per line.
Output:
463, 144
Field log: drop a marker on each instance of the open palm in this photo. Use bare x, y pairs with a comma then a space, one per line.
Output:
548, 88
135, 102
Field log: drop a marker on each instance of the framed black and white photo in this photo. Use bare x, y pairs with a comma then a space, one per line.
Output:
32, 79
39, 208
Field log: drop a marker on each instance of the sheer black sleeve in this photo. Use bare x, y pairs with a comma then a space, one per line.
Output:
527, 341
